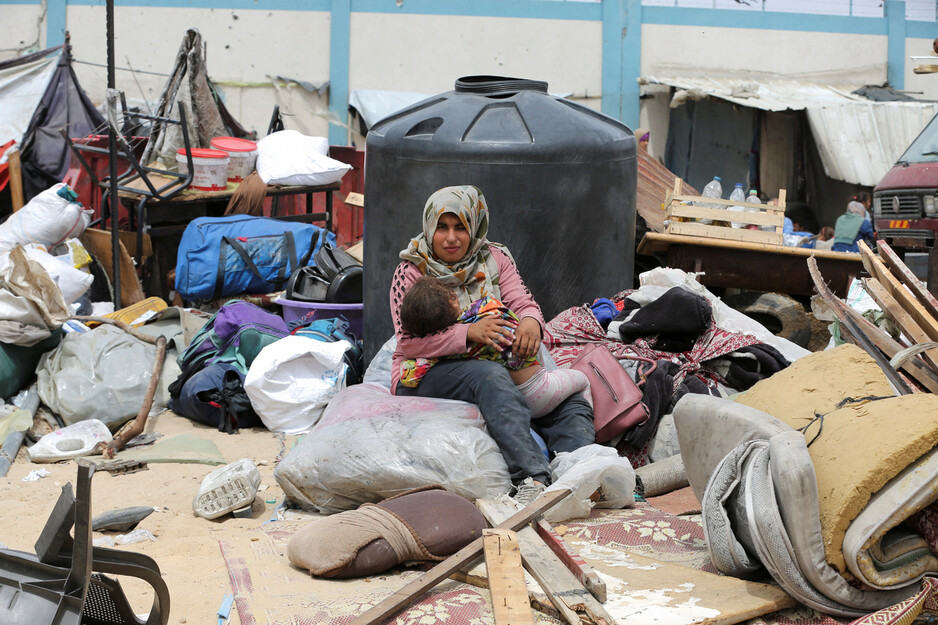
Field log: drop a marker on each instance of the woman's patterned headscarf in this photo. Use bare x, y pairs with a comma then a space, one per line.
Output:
475, 274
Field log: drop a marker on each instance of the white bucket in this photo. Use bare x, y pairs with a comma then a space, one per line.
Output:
210, 168
242, 154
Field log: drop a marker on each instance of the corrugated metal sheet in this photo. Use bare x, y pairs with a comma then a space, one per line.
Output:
858, 140
768, 95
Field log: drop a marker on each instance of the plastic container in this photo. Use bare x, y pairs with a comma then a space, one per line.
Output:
71, 441
210, 168
738, 195
554, 174
293, 310
226, 489
242, 155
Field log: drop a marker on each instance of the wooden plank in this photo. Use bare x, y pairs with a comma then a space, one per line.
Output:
560, 584
925, 69
902, 295
914, 367
720, 214
901, 316
355, 199
16, 179
98, 242
506, 578
537, 600
775, 210
838, 307
659, 243
572, 560
728, 234
357, 252
905, 275
462, 558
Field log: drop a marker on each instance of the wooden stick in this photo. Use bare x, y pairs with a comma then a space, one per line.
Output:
838, 307
464, 557
16, 179
915, 367
903, 319
560, 585
506, 578
572, 560
904, 298
537, 603
139, 423
903, 273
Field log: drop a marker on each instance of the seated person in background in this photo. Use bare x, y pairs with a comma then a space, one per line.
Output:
429, 306
851, 227
825, 239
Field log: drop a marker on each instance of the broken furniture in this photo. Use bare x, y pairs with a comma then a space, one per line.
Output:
63, 583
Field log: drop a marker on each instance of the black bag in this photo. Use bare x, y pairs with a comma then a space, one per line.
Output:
215, 396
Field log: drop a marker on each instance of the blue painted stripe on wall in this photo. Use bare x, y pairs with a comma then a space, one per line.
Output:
339, 70
237, 5
55, 23
895, 48
543, 9
768, 20
921, 30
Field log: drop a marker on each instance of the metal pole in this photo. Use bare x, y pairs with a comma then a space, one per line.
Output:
114, 200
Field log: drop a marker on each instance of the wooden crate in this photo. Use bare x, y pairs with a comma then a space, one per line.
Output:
683, 218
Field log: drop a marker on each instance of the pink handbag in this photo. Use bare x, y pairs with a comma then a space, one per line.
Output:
617, 401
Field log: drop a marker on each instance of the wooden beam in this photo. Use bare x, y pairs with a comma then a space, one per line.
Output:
838, 307
506, 578
726, 234
536, 600
572, 560
915, 367
903, 319
462, 558
16, 179
560, 585
909, 279
903, 297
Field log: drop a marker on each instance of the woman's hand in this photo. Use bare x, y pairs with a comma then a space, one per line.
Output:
492, 331
527, 338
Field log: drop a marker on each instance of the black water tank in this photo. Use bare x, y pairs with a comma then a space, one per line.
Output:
559, 179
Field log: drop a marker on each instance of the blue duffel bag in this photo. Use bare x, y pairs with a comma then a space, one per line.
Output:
221, 256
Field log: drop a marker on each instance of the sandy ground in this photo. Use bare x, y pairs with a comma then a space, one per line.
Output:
186, 546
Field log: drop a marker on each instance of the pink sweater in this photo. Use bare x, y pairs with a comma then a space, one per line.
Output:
453, 340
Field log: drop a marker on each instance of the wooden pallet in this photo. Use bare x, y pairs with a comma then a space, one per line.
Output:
683, 217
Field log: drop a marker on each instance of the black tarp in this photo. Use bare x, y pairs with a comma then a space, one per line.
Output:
45, 153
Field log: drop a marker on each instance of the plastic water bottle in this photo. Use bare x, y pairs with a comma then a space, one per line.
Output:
713, 189
754, 199
738, 195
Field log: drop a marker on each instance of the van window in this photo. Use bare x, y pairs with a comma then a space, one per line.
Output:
925, 147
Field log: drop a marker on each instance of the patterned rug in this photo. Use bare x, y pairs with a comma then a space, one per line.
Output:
269, 591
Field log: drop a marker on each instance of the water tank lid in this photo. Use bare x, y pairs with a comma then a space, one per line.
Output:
498, 85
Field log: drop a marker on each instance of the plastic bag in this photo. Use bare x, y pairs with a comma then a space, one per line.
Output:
72, 282
370, 445
48, 219
292, 379
585, 470
289, 157
100, 374
72, 441
379, 370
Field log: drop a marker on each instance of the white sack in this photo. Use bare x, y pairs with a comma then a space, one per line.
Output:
289, 157
292, 379
72, 282
48, 219
585, 470
371, 445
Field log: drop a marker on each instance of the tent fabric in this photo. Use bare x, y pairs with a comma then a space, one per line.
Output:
45, 153
859, 140
22, 82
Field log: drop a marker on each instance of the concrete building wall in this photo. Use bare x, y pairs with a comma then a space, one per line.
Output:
22, 29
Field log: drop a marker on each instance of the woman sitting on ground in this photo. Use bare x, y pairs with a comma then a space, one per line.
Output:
453, 249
